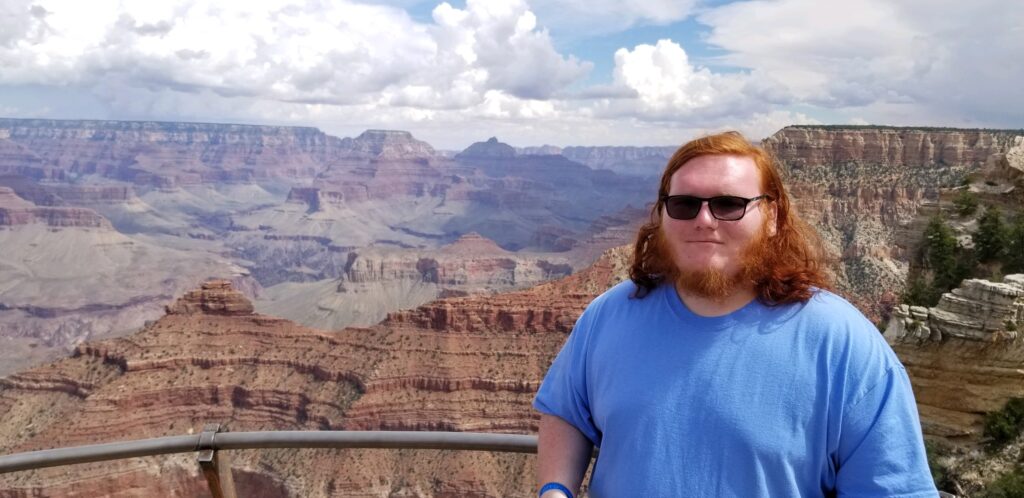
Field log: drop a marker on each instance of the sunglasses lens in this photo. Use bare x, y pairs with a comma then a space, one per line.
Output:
728, 207
682, 207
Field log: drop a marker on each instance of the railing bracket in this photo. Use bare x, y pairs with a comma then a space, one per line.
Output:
216, 465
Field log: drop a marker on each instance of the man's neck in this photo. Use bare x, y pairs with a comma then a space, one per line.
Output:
708, 307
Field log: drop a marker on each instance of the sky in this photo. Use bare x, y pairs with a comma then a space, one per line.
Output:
531, 72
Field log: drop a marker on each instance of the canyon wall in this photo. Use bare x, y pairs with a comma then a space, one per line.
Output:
862, 187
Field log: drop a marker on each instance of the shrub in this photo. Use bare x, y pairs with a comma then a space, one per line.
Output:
1005, 425
1009, 485
966, 203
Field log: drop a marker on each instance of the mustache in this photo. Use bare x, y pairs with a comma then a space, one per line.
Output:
711, 283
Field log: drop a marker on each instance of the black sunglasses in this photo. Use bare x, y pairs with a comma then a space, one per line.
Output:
723, 207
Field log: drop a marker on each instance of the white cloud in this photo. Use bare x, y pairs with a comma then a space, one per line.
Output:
288, 50
662, 77
916, 54
492, 65
502, 39
595, 17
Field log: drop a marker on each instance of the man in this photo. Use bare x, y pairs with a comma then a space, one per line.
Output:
723, 367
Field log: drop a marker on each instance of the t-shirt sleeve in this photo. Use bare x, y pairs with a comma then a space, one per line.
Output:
563, 392
881, 450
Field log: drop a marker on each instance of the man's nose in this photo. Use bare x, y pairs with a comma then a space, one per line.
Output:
704, 217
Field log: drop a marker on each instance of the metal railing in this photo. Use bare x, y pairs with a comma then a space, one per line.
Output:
216, 465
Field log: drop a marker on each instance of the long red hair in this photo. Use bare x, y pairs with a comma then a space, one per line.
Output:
796, 262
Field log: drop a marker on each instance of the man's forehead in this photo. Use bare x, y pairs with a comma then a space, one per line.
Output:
726, 171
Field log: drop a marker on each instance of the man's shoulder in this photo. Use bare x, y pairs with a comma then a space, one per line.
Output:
847, 328
621, 298
831, 307
624, 294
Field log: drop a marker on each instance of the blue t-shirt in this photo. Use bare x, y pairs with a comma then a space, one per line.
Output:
795, 400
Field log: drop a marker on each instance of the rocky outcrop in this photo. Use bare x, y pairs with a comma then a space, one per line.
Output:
491, 149
215, 297
472, 243
387, 145
964, 355
315, 199
978, 310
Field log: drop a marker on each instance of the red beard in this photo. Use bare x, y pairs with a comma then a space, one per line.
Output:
714, 284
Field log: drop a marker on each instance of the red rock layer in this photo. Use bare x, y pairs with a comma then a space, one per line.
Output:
216, 297
466, 364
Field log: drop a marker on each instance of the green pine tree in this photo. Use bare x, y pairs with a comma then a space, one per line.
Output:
966, 202
941, 255
1013, 261
990, 238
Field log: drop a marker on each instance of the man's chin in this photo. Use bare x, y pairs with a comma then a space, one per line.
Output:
708, 283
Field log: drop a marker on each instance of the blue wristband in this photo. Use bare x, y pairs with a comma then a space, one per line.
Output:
554, 485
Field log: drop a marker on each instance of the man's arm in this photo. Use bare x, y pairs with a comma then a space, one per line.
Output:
563, 453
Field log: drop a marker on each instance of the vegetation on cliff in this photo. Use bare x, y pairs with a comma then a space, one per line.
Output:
996, 248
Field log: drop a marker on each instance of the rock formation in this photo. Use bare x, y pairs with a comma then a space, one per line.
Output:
978, 310
491, 149
215, 297
372, 283
465, 364
387, 145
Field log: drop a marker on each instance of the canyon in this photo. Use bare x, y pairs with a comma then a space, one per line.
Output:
332, 232
416, 290
459, 364
324, 230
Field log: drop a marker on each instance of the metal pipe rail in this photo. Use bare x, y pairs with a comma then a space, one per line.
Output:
268, 439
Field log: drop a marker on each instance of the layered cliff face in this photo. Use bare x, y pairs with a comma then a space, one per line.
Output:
373, 283
17, 211
862, 188
140, 152
963, 355
965, 360
463, 364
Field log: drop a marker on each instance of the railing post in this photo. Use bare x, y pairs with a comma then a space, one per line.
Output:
216, 465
